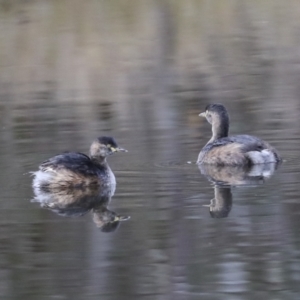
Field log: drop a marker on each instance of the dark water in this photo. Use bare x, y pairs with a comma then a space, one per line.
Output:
142, 74
171, 246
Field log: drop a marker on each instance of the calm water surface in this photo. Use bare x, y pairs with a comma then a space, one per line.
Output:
171, 247
142, 72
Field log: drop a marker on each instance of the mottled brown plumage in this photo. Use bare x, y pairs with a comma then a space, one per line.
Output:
77, 170
236, 150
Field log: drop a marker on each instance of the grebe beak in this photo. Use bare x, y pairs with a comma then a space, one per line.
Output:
121, 218
203, 114
120, 150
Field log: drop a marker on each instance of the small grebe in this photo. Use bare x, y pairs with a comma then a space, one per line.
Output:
236, 150
77, 170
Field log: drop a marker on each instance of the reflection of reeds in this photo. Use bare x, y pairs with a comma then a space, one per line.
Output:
134, 62
99, 47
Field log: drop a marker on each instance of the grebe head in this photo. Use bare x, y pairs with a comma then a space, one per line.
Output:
217, 116
104, 146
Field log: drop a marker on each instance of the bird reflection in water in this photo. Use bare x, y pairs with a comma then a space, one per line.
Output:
220, 205
75, 202
224, 177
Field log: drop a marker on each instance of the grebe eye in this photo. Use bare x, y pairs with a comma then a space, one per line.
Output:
209, 117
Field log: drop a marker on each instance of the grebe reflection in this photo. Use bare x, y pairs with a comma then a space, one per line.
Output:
220, 205
224, 177
77, 202
238, 175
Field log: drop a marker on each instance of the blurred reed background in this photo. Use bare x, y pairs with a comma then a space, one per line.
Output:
120, 54
105, 50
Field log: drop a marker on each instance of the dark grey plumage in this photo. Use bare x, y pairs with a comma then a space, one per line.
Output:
222, 149
73, 169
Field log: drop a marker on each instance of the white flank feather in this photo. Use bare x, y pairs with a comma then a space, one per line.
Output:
261, 157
